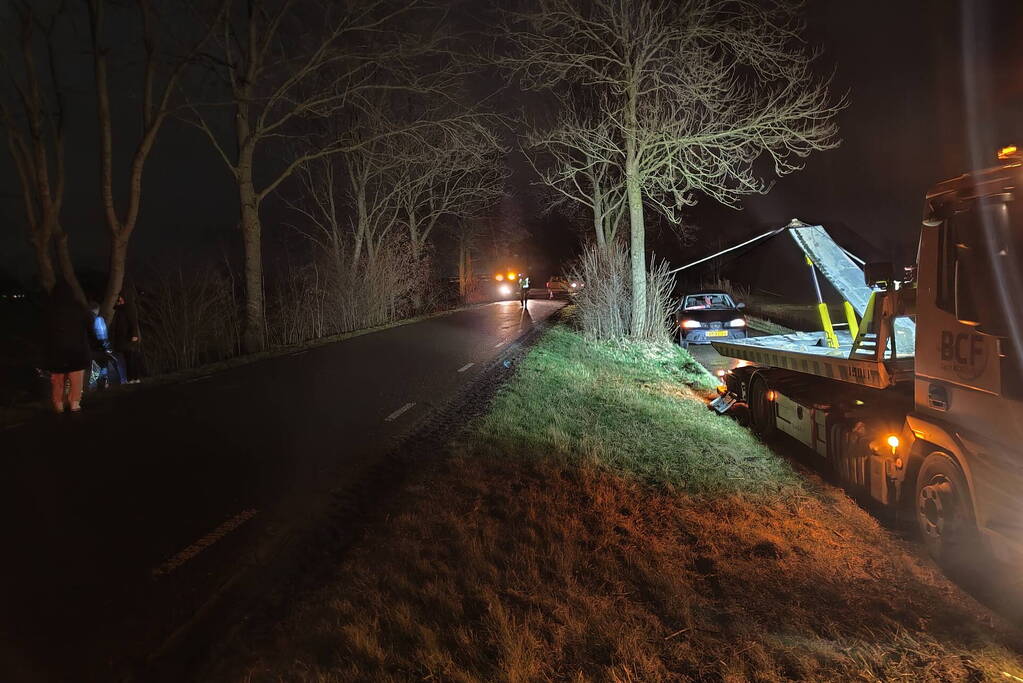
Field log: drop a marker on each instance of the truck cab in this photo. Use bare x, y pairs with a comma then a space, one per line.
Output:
965, 433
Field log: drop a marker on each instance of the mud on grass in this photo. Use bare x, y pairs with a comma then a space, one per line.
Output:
600, 524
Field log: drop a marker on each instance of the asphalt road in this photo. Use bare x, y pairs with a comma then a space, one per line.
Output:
122, 524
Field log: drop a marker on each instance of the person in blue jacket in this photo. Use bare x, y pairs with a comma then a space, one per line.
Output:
107, 368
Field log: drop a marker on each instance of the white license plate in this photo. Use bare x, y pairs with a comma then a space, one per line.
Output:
717, 333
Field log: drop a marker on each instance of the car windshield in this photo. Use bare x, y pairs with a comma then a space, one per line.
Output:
696, 302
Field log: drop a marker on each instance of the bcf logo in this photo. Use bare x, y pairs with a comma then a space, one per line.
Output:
965, 352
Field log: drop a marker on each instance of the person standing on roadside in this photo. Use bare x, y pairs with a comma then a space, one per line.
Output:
524, 288
66, 327
125, 336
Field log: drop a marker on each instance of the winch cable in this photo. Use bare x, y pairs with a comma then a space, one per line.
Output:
769, 233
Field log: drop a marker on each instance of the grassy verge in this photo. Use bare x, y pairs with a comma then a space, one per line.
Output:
600, 524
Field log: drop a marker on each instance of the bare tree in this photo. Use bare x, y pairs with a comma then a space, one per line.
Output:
155, 106
290, 64
456, 179
35, 129
576, 159
354, 202
706, 97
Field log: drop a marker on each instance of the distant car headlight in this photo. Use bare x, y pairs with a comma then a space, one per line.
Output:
738, 322
505, 290
574, 284
691, 324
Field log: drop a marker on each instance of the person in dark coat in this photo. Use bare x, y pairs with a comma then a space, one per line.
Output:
66, 352
125, 337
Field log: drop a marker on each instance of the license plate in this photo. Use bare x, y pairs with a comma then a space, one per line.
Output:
717, 333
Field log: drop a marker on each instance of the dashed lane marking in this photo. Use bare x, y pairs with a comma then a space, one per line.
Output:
466, 367
499, 344
398, 413
198, 379
204, 542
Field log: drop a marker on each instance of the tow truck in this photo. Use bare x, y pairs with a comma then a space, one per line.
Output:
916, 400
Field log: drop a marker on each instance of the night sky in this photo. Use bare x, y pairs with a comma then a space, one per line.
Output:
934, 87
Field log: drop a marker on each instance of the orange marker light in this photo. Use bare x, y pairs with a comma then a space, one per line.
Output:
1008, 152
511, 276
499, 277
771, 395
722, 389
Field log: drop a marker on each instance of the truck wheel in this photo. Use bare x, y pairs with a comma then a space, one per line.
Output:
761, 408
944, 512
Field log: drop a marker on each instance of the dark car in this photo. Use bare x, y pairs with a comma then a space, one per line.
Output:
709, 316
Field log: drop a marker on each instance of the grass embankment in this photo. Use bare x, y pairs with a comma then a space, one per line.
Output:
601, 524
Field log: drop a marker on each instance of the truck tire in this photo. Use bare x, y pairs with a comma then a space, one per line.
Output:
944, 511
761, 408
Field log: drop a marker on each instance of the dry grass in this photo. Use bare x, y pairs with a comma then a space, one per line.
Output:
600, 524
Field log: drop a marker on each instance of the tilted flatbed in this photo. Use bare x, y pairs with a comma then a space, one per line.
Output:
878, 356
808, 352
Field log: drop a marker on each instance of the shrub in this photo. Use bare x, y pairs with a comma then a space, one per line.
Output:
187, 318
604, 305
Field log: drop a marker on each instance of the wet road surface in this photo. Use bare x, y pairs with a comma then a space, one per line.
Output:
122, 523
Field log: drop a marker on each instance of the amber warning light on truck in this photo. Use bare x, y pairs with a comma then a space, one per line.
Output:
1008, 152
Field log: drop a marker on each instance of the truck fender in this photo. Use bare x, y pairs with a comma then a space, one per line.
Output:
931, 438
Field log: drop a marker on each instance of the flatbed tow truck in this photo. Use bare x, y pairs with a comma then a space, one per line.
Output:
918, 402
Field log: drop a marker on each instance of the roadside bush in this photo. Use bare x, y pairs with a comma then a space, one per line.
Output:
327, 297
604, 306
188, 317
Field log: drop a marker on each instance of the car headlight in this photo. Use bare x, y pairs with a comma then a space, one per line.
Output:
505, 290
574, 284
738, 322
691, 324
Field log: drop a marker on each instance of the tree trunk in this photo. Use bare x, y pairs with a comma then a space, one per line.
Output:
417, 243
118, 257
598, 228
634, 195
598, 211
44, 262
637, 252
465, 274
254, 321
461, 272
66, 265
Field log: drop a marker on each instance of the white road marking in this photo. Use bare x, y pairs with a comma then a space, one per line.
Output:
204, 542
499, 344
466, 367
198, 379
18, 424
398, 413
299, 352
